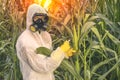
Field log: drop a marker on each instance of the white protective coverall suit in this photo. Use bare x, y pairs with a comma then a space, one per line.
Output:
36, 66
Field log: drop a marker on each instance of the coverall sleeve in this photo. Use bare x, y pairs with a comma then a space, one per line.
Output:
42, 64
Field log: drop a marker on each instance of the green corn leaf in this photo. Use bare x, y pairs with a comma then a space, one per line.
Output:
43, 50
111, 69
95, 30
93, 18
70, 68
119, 23
115, 40
78, 30
77, 65
86, 17
75, 38
97, 66
113, 52
88, 75
86, 27
69, 31
108, 22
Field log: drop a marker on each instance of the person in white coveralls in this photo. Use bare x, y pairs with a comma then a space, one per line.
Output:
32, 65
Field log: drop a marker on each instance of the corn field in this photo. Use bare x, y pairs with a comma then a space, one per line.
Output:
92, 26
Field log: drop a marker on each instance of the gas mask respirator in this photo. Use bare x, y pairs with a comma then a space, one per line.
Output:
39, 22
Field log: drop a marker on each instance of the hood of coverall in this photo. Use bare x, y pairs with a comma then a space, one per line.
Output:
32, 9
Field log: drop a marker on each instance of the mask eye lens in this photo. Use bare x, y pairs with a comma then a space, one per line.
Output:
46, 19
40, 16
35, 18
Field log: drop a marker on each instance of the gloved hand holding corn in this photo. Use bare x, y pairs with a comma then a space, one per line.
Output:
66, 48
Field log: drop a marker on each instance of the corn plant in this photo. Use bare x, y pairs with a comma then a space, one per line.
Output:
9, 64
93, 31
96, 58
